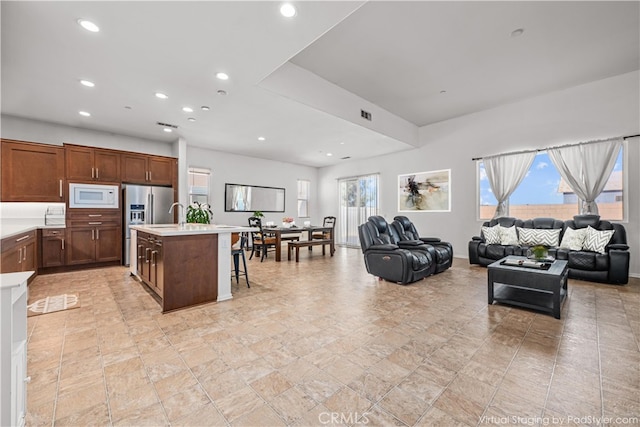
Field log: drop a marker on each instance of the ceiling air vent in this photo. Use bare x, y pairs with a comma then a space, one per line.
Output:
365, 115
345, 157
167, 125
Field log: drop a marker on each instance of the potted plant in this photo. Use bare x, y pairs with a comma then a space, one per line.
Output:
539, 252
258, 214
199, 213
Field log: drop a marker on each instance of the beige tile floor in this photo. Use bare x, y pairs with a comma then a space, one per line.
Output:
321, 342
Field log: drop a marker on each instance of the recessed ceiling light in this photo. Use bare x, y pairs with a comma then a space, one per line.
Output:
288, 10
222, 76
187, 109
261, 138
204, 108
161, 95
168, 130
329, 154
84, 113
88, 25
342, 143
191, 119
222, 92
517, 33
87, 83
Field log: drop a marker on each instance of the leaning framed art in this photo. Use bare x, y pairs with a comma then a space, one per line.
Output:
425, 191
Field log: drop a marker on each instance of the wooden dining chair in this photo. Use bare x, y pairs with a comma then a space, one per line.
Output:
260, 241
328, 221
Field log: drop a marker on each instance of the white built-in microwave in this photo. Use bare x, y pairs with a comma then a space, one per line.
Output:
93, 196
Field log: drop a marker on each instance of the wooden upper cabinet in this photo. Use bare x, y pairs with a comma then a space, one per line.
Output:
92, 164
32, 172
143, 169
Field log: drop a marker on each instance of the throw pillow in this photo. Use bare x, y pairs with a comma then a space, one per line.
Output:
508, 236
491, 235
573, 239
597, 240
534, 236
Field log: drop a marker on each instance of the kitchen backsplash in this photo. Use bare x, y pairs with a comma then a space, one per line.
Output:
26, 210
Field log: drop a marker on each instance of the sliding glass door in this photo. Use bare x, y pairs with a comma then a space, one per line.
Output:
358, 201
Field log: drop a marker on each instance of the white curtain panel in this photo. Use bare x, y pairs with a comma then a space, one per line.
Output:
586, 168
505, 173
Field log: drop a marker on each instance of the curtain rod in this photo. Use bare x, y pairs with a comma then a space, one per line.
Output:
545, 149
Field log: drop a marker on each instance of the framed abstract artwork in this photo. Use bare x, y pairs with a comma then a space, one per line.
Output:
425, 191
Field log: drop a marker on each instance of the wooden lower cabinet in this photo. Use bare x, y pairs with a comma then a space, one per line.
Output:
53, 248
182, 270
19, 253
93, 236
93, 244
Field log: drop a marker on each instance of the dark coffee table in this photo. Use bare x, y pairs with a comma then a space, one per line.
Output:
538, 289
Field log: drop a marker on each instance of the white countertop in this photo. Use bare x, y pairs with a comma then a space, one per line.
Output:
189, 229
11, 280
11, 227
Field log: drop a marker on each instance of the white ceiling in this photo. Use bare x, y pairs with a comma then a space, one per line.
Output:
392, 57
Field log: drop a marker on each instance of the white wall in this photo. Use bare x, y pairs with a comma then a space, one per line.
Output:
50, 133
235, 169
610, 107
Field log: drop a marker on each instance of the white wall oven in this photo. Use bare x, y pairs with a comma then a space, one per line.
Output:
93, 196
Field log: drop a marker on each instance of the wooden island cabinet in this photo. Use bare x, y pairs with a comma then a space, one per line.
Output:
19, 253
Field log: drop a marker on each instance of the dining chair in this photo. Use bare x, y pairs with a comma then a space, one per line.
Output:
260, 242
237, 252
328, 221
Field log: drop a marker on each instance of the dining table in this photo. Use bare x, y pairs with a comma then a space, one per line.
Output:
279, 231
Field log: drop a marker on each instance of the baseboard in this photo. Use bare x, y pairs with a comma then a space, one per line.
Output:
635, 275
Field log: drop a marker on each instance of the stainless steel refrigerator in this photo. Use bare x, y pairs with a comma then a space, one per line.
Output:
144, 204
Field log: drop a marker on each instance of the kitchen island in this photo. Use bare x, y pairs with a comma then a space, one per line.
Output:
185, 265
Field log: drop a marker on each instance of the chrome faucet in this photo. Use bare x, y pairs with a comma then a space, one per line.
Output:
180, 217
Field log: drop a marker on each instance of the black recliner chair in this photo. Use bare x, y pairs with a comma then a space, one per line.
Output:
443, 250
389, 258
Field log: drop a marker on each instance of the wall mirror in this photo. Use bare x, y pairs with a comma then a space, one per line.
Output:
250, 198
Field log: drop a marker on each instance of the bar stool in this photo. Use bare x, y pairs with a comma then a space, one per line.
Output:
237, 253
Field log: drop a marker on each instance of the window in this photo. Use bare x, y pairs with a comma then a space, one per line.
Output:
543, 193
303, 198
199, 185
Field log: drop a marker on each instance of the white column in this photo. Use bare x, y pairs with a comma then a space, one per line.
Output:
224, 267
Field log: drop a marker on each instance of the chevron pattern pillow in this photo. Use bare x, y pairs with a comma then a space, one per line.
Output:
597, 240
534, 236
573, 239
491, 235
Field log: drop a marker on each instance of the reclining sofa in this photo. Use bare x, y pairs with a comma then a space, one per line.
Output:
603, 258
396, 253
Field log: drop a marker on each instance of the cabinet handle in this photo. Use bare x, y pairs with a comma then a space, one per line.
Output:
22, 238
93, 231
61, 195
24, 253
146, 254
92, 173
149, 175
97, 234
62, 240
95, 223
154, 256
97, 173
19, 255
94, 215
